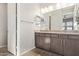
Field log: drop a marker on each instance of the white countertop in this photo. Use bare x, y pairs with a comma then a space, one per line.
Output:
58, 32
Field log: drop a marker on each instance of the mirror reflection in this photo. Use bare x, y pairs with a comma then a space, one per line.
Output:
57, 16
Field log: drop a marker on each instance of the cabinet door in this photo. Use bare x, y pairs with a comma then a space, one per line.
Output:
39, 42
43, 42
46, 42
56, 46
71, 47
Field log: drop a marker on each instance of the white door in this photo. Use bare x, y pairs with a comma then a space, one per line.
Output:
26, 36
12, 28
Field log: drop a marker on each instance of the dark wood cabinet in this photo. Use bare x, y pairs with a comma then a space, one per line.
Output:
57, 43
56, 46
71, 46
46, 44
39, 42
43, 41
63, 44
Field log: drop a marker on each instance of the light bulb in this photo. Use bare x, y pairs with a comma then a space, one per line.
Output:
46, 9
50, 8
42, 10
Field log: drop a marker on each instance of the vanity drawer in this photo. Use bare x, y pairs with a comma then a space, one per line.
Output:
47, 34
39, 34
73, 36
63, 36
54, 35
42, 34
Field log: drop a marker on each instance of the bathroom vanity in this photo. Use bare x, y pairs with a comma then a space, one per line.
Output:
59, 32
63, 43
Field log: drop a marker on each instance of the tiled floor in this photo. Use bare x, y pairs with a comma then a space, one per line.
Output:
39, 52
4, 52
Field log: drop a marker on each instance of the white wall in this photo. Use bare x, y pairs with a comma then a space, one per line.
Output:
26, 13
3, 25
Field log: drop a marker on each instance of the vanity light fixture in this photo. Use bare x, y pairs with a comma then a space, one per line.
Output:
46, 9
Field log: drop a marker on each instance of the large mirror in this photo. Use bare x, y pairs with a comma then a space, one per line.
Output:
58, 16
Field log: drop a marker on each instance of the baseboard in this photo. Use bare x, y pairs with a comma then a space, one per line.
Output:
26, 51
2, 46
